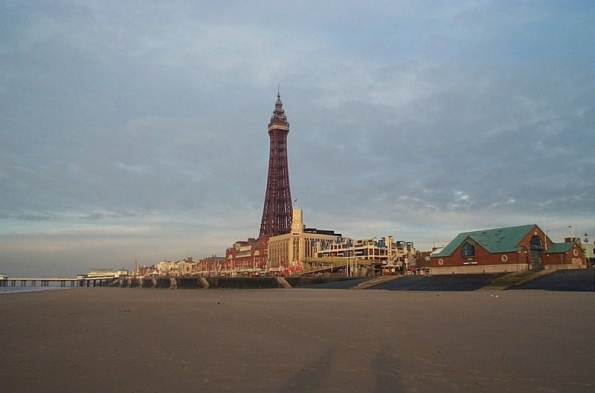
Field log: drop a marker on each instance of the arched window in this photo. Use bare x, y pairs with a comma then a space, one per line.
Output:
536, 244
468, 250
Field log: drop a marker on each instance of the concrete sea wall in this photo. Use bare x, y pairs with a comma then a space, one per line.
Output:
221, 282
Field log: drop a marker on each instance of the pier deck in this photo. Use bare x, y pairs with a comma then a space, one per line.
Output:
46, 282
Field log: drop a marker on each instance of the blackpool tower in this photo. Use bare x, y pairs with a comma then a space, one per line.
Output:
277, 211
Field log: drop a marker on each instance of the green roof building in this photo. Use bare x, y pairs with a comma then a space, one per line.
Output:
501, 250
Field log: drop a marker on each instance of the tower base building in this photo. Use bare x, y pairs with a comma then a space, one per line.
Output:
287, 253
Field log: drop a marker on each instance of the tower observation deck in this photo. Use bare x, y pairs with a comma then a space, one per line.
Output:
278, 210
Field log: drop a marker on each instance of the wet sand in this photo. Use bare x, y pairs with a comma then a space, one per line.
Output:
298, 340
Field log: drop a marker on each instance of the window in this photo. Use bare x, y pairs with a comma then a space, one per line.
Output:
468, 250
536, 244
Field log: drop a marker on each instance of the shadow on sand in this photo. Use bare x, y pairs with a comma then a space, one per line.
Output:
386, 370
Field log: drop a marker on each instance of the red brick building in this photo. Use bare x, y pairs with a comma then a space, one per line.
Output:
246, 257
210, 266
509, 249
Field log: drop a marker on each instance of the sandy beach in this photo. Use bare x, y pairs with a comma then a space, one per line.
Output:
298, 340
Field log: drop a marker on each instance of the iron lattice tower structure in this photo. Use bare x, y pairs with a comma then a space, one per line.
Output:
277, 212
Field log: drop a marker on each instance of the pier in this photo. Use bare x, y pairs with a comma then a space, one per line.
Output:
64, 282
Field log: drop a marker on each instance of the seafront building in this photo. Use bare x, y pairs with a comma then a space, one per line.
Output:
181, 268
310, 250
384, 254
210, 266
187, 267
384, 250
102, 273
588, 248
246, 257
288, 252
509, 249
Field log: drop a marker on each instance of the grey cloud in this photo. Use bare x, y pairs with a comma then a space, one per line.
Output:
149, 121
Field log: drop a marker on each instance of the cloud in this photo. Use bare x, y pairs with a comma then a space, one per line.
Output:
140, 131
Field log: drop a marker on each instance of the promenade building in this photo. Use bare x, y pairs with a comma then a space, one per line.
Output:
210, 266
246, 257
588, 248
186, 267
502, 250
287, 252
311, 250
182, 268
98, 273
384, 254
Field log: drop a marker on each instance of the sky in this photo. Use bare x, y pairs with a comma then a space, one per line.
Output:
137, 130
